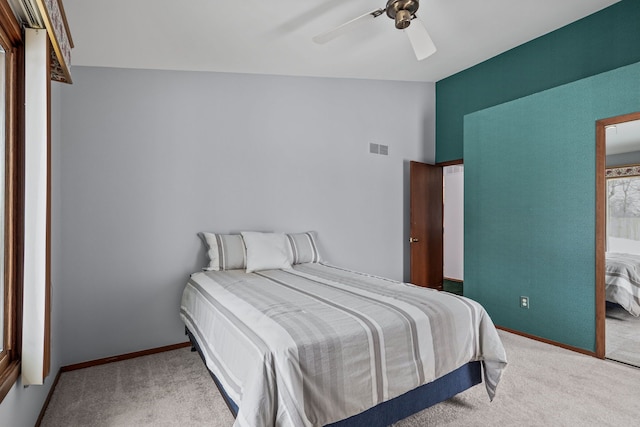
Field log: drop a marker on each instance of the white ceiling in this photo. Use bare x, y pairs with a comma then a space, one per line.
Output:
274, 37
623, 138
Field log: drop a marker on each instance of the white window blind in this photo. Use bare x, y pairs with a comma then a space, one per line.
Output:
35, 214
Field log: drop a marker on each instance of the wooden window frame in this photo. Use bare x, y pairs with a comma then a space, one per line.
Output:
12, 42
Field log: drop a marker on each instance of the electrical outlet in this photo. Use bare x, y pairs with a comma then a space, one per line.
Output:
524, 302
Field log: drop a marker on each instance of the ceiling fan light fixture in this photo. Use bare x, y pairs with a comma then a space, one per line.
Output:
402, 12
403, 19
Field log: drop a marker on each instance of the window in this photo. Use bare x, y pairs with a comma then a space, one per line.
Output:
2, 185
623, 213
11, 179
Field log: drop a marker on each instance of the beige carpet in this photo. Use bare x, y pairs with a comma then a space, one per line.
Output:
622, 336
543, 386
166, 389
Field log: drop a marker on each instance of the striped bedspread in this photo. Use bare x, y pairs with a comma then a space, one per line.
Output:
315, 344
622, 281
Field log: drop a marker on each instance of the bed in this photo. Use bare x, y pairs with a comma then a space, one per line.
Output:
315, 344
622, 281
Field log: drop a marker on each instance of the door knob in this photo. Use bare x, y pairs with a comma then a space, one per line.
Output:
413, 240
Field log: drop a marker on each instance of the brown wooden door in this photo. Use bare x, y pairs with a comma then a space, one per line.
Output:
426, 225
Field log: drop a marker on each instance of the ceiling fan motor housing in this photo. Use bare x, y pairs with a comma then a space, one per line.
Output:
402, 11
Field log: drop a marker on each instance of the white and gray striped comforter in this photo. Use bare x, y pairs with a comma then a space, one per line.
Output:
622, 281
315, 344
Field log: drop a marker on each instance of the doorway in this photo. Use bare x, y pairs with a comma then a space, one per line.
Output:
618, 238
453, 228
437, 225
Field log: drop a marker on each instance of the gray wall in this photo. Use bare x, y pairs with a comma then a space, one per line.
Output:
150, 158
624, 159
21, 406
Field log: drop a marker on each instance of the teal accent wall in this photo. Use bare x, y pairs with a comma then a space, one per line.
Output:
600, 42
530, 205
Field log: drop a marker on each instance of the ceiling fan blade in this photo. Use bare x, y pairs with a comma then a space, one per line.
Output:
347, 26
420, 40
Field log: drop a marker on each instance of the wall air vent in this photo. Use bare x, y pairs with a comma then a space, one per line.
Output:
378, 149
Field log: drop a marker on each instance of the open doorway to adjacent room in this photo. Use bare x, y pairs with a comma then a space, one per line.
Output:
618, 289
453, 226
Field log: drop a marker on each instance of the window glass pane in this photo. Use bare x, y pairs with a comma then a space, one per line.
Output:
2, 186
623, 215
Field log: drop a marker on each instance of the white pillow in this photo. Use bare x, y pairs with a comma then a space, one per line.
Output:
266, 251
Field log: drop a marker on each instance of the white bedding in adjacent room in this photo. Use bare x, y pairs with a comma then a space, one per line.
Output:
622, 281
316, 344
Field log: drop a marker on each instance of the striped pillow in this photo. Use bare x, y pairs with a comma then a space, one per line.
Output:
225, 251
304, 247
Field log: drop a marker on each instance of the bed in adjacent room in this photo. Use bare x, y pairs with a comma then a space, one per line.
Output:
622, 281
309, 344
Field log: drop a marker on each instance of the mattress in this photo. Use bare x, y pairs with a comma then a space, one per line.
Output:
316, 344
622, 281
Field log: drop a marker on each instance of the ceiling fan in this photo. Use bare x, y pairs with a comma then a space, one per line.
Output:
404, 14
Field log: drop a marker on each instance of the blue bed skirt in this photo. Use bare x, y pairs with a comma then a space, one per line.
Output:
391, 411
